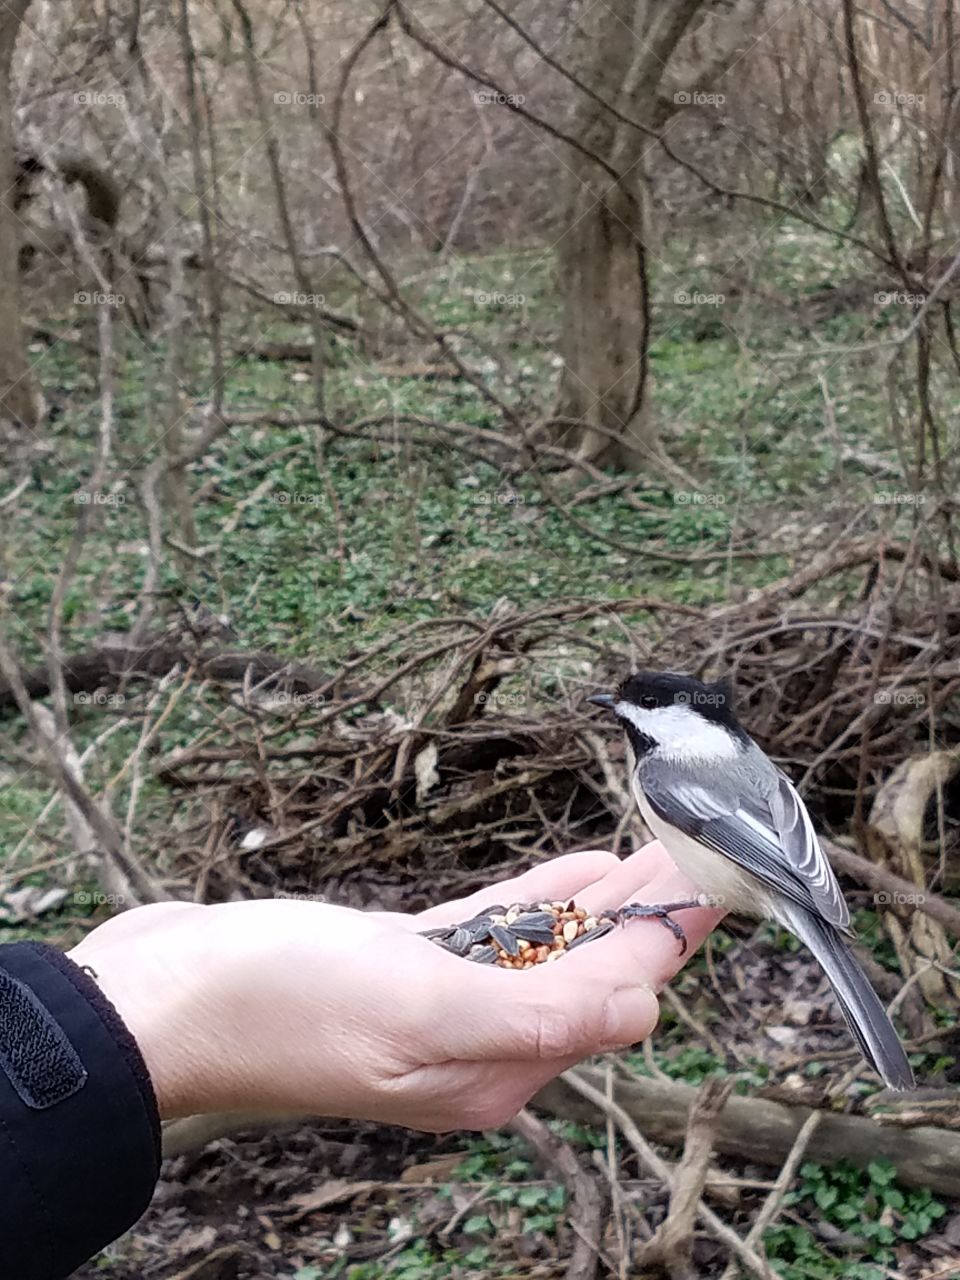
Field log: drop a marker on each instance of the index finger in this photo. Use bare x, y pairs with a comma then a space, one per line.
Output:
644, 950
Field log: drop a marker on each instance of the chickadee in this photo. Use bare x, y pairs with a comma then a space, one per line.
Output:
735, 824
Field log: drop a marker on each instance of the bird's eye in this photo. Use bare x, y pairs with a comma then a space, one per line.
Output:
648, 702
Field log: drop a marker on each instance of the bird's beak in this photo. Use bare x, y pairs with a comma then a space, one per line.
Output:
605, 700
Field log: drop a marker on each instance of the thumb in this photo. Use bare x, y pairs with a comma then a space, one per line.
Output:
539, 1014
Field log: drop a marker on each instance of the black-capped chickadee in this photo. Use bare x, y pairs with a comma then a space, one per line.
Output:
734, 823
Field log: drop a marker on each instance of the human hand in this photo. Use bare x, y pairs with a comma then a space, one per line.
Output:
289, 1005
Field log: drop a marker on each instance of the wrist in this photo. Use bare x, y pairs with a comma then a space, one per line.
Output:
160, 998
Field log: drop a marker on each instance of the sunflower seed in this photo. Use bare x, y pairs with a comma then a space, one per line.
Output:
461, 941
603, 927
534, 926
484, 917
506, 939
440, 934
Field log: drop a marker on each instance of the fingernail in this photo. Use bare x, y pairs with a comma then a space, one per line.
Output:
630, 1014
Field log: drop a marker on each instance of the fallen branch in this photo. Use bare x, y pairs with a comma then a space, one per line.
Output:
763, 1131
93, 826
771, 1206
671, 1248
586, 1203
581, 1085
894, 887
88, 671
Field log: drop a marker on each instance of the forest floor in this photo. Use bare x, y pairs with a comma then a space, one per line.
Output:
787, 451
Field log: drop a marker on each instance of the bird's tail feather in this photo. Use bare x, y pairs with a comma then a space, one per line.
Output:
865, 1015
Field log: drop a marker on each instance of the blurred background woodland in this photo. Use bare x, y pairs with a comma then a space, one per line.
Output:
376, 382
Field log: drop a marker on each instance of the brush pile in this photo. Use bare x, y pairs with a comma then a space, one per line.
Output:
460, 744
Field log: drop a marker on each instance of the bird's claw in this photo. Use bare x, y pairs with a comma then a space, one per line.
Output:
654, 911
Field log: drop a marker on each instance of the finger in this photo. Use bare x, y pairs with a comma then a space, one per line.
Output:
563, 877
626, 879
644, 950
482, 1013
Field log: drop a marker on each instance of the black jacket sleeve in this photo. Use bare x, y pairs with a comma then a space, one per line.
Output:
79, 1129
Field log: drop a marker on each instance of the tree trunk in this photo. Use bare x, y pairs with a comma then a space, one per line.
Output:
601, 257
625, 51
605, 333
19, 401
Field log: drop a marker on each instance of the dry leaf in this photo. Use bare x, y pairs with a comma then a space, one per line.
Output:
334, 1191
439, 1170
425, 768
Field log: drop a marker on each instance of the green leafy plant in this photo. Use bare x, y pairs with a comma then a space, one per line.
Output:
866, 1205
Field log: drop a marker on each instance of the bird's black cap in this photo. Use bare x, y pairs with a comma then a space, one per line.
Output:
651, 689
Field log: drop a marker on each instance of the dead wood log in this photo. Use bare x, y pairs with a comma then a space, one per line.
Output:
89, 671
764, 1132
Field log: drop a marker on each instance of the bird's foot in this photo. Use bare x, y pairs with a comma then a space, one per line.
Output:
654, 911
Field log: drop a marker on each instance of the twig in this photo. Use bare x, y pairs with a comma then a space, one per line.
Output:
123, 876
771, 1205
672, 1245
756, 1265
585, 1200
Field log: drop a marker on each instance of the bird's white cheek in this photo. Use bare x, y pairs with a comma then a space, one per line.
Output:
680, 733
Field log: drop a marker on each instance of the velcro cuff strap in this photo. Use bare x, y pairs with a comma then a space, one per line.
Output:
79, 1129
36, 1056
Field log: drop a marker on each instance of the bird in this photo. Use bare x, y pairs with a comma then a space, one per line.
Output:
736, 825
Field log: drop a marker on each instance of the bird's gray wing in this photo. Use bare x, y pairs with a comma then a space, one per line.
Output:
767, 830
799, 841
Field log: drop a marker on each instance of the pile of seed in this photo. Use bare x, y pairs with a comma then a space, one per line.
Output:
571, 923
521, 936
